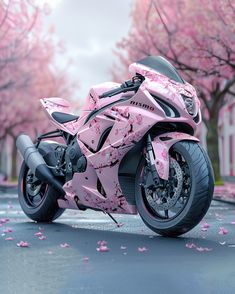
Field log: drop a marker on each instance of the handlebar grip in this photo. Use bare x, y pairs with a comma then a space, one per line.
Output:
112, 92
125, 87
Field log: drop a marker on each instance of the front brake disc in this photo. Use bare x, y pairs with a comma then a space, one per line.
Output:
165, 198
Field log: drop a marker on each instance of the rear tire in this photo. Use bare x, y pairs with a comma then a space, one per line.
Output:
47, 209
198, 200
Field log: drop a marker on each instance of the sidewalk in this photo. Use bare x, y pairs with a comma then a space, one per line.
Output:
8, 187
225, 192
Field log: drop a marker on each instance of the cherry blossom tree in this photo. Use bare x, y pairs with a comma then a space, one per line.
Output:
27, 72
198, 37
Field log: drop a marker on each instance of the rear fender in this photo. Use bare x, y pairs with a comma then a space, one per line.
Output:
161, 146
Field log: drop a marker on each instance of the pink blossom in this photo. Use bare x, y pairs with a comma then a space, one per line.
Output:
203, 249
142, 249
233, 223
4, 220
65, 245
23, 244
9, 239
203, 229
223, 231
190, 245
38, 234
205, 226
8, 230
42, 237
102, 243
102, 248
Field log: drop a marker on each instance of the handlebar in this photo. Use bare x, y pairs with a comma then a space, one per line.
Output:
127, 86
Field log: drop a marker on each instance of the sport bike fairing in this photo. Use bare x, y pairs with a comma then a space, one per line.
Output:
109, 127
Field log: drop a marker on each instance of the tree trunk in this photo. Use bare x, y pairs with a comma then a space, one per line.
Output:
213, 146
14, 161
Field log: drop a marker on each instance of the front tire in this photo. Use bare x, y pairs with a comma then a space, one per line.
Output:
196, 201
38, 200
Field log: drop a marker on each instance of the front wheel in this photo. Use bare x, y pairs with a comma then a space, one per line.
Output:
177, 205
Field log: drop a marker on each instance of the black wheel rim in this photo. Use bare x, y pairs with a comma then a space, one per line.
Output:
34, 189
160, 201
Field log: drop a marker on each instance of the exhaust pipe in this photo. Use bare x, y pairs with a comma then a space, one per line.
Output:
36, 163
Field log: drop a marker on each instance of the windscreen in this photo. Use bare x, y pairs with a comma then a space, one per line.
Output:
162, 66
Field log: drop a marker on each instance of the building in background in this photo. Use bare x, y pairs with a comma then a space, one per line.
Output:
227, 141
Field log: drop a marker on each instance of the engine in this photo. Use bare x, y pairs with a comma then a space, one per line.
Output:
63, 160
74, 159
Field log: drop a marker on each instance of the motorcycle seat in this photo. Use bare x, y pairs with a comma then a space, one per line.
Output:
62, 117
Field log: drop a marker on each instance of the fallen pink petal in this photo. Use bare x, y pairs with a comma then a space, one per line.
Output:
8, 230
23, 244
142, 249
85, 258
223, 231
9, 238
65, 245
204, 229
42, 237
205, 226
190, 245
203, 249
38, 234
4, 220
123, 247
102, 248
102, 243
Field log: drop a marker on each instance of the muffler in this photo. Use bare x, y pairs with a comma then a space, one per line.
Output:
36, 163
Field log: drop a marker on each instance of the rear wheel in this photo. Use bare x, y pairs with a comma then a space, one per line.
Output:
176, 206
38, 200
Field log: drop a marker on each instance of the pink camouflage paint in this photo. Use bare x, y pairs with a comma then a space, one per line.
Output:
128, 122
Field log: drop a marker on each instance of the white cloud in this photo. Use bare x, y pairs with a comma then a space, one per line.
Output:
90, 30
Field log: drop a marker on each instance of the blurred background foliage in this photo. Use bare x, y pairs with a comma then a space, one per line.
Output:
197, 36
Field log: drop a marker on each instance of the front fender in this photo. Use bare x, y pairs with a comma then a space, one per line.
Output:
161, 146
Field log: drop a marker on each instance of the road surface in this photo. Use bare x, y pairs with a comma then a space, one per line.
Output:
66, 259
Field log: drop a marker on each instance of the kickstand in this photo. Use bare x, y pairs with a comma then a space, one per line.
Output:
116, 222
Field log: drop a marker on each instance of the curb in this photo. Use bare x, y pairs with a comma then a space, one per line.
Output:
8, 189
232, 202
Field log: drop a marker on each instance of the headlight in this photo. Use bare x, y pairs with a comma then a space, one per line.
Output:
189, 104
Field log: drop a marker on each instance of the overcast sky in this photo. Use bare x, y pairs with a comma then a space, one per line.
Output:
90, 30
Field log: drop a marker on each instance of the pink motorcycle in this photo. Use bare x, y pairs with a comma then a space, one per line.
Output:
131, 151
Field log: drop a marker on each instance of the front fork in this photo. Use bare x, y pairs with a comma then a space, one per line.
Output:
151, 160
158, 153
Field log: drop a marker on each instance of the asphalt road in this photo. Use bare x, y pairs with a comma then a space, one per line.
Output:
166, 266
